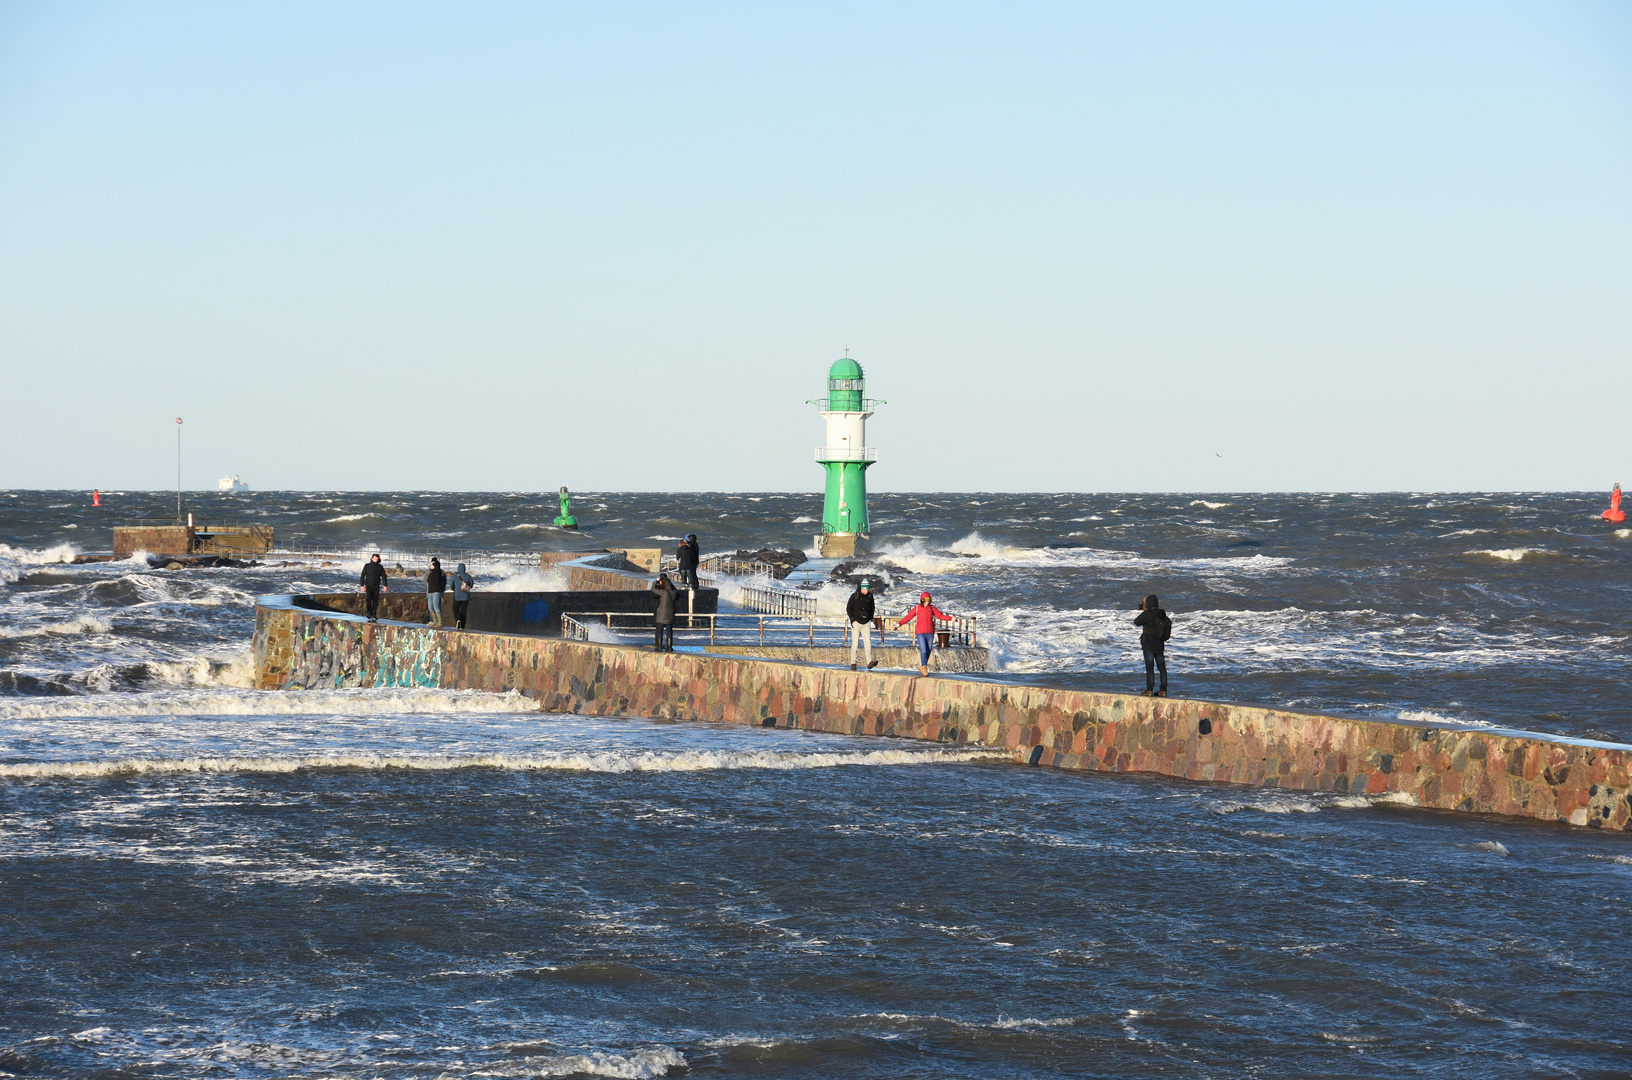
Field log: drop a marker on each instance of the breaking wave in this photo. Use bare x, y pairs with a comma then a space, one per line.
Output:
205, 702
84, 624
611, 761
12, 559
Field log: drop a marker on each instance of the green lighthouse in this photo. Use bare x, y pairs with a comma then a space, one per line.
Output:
845, 456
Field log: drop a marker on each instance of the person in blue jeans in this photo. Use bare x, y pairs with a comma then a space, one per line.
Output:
923, 616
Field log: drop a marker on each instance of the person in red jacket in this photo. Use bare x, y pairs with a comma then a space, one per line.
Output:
923, 615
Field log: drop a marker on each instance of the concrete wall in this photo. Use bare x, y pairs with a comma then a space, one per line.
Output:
184, 540
154, 539
1486, 771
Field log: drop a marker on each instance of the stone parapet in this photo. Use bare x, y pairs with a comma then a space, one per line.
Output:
1519, 774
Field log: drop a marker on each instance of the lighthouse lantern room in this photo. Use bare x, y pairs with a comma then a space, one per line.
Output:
845, 456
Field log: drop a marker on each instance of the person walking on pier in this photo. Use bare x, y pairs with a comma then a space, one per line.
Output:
1155, 628
373, 583
689, 555
462, 584
663, 621
860, 613
436, 582
923, 616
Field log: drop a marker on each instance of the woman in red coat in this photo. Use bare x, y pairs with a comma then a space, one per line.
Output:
924, 615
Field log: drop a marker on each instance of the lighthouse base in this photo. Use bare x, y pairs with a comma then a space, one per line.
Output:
840, 545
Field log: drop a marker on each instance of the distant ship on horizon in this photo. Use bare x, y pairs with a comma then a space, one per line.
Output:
231, 483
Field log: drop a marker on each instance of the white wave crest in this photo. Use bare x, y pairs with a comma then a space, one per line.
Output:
1289, 802
1424, 716
84, 624
238, 672
1209, 505
349, 517
974, 554
1492, 846
564, 761
526, 579
630, 1065
1512, 554
13, 559
224, 702
1624, 534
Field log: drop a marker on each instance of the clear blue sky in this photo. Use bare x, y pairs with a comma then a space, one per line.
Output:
1076, 246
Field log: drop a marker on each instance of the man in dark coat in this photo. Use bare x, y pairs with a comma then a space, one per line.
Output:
667, 600
1155, 628
859, 612
436, 583
689, 555
373, 583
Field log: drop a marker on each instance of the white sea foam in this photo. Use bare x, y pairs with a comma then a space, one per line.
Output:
224, 702
1209, 505
1514, 554
630, 1065
1424, 716
239, 671
975, 554
525, 579
610, 761
12, 559
1624, 534
1297, 802
84, 624
804, 521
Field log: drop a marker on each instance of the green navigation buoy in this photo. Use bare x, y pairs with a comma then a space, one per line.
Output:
846, 457
566, 520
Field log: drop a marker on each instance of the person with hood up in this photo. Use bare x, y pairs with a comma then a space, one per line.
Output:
373, 583
436, 582
1155, 628
923, 616
859, 611
462, 584
663, 622
689, 554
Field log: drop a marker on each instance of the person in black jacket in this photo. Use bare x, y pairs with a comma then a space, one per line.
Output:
689, 555
859, 610
667, 600
1155, 628
373, 583
436, 583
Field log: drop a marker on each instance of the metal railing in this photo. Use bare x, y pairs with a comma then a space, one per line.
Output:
734, 628
769, 601
731, 566
846, 453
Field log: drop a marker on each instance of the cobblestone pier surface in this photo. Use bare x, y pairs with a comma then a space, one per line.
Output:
1441, 766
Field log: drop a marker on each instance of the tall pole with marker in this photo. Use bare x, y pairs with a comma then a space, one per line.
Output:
845, 457
178, 470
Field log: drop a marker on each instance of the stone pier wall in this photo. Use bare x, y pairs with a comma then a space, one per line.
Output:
1484, 771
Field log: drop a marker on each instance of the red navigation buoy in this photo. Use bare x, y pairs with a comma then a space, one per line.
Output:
96, 497
1615, 513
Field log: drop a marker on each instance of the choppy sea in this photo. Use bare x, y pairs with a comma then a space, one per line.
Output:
199, 879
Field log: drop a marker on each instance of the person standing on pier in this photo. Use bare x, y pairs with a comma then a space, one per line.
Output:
1155, 628
462, 584
689, 555
373, 583
923, 616
859, 610
436, 582
663, 621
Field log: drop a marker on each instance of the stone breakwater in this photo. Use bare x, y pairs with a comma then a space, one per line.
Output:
1518, 774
